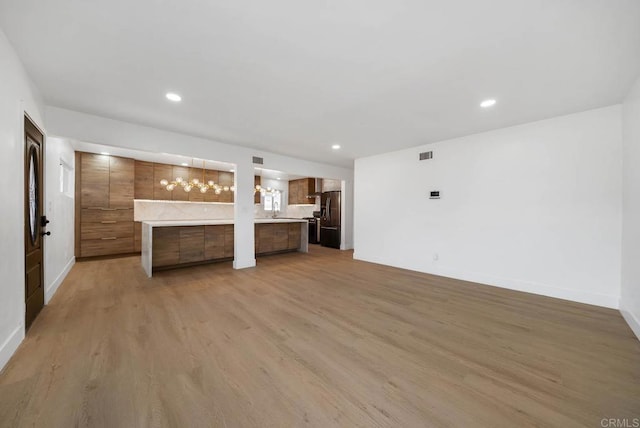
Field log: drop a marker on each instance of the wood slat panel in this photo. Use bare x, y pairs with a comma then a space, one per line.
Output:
143, 180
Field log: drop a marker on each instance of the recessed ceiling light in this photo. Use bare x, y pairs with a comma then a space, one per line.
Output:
173, 97
335, 146
279, 178
184, 164
232, 170
104, 153
487, 103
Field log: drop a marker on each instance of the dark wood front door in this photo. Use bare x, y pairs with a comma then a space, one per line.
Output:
34, 220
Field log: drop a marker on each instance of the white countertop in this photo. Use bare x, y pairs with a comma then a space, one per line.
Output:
160, 223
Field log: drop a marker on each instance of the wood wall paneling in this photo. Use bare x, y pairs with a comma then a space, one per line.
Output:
143, 187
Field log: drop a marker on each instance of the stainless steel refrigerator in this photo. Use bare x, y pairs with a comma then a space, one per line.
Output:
330, 219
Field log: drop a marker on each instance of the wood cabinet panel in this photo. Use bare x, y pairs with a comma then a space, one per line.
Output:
121, 182
228, 240
94, 180
295, 233
160, 171
106, 230
300, 189
137, 236
226, 179
280, 236
178, 194
166, 246
210, 196
99, 215
143, 186
265, 236
106, 247
214, 242
191, 244
196, 195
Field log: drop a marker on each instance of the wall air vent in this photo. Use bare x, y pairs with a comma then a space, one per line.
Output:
426, 155
258, 160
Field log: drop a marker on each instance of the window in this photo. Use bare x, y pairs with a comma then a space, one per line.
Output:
66, 178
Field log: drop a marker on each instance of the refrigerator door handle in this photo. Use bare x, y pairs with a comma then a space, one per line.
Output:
328, 209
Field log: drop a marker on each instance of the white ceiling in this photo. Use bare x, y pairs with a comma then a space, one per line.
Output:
295, 76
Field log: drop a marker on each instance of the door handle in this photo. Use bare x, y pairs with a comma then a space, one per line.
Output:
45, 234
44, 221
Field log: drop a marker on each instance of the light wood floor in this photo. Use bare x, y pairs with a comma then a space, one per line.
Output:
317, 340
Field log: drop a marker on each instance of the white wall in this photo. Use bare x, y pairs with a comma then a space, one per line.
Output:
17, 95
59, 248
535, 207
630, 292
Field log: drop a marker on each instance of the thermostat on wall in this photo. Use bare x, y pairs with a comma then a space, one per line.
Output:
435, 195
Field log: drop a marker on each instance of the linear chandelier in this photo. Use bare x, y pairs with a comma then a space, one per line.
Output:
204, 186
189, 184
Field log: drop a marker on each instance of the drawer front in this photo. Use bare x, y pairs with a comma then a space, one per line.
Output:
91, 231
98, 215
106, 247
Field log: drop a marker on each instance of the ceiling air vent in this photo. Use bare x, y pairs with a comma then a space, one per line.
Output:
258, 160
426, 155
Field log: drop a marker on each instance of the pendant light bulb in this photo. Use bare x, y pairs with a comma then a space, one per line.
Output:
164, 182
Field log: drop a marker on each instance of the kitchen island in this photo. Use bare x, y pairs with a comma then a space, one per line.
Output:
168, 244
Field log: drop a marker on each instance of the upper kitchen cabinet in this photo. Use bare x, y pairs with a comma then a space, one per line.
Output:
226, 179
94, 183
121, 182
143, 186
211, 175
162, 171
178, 194
300, 189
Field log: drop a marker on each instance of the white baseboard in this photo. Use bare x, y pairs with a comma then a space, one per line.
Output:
10, 345
596, 299
53, 287
631, 319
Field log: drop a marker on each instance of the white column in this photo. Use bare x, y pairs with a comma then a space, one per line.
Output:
244, 251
